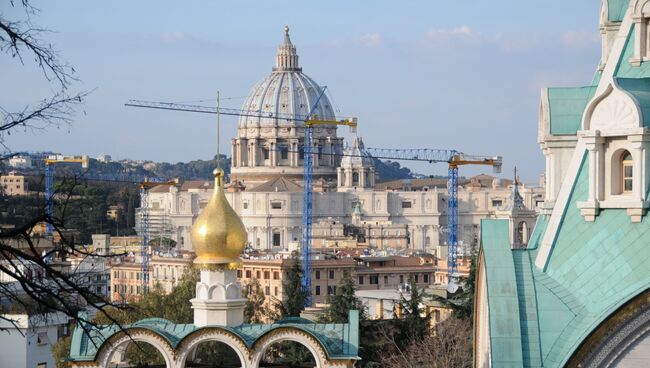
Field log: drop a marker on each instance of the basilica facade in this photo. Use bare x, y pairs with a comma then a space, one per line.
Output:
351, 208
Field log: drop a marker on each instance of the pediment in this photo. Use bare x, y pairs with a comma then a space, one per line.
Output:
613, 110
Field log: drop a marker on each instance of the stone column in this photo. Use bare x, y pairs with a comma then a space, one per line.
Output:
593, 173
638, 179
273, 155
362, 177
314, 156
339, 177
550, 187
218, 299
234, 154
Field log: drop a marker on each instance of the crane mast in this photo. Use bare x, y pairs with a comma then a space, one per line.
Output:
50, 161
310, 121
454, 159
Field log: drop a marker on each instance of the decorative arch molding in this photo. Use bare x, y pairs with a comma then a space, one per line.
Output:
291, 334
612, 111
613, 338
123, 338
641, 8
207, 334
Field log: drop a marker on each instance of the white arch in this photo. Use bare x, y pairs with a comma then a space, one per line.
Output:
300, 337
614, 109
138, 335
209, 334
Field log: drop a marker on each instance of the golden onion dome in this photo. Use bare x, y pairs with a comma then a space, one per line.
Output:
218, 234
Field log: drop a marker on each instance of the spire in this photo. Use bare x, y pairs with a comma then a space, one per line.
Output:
287, 58
516, 200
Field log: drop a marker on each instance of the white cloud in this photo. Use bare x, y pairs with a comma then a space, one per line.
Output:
371, 39
580, 38
173, 37
444, 33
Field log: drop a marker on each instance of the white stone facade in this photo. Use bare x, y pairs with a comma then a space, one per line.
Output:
266, 179
276, 217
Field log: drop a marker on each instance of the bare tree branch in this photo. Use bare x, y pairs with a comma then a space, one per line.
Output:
17, 37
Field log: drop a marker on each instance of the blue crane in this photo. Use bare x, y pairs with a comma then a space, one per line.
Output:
144, 182
309, 121
453, 159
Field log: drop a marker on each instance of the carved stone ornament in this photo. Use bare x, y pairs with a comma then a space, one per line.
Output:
616, 110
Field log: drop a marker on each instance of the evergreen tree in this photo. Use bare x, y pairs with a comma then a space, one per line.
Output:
415, 326
294, 296
254, 311
344, 301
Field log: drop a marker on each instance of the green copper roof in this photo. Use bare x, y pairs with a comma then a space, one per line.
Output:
505, 331
339, 340
538, 232
566, 106
640, 89
624, 69
616, 10
593, 269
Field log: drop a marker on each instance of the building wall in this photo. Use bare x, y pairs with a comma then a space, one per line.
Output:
327, 274
13, 184
126, 275
280, 213
31, 344
13, 349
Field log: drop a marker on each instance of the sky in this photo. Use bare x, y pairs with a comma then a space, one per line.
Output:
462, 75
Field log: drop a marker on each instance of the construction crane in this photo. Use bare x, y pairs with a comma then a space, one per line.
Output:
454, 160
145, 184
310, 121
50, 161
310, 151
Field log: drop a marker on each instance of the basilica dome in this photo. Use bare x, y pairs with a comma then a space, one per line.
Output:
287, 91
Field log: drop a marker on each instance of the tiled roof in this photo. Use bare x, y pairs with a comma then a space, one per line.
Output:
616, 10
566, 106
278, 184
197, 184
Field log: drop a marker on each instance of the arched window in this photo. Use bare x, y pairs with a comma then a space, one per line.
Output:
355, 178
522, 233
626, 172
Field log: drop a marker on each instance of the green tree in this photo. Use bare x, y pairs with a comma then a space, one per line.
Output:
462, 304
344, 301
254, 311
294, 296
415, 325
174, 306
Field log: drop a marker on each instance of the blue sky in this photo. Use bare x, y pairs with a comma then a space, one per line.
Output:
438, 74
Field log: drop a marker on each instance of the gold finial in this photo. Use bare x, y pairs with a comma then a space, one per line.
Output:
218, 234
286, 29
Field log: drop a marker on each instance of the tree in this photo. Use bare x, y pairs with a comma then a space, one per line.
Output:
294, 296
254, 311
415, 326
462, 304
344, 301
449, 347
20, 258
21, 40
174, 306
